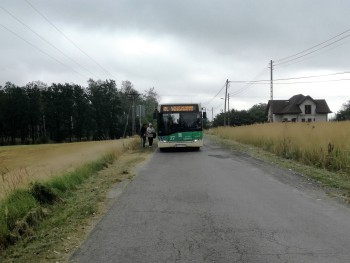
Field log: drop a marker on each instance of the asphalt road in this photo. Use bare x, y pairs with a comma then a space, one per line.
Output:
217, 206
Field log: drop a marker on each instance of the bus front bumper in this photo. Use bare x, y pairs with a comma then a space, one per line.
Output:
180, 144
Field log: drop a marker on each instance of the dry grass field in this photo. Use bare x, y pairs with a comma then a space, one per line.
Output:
20, 165
320, 144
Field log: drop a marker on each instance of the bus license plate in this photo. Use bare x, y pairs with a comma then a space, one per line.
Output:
180, 145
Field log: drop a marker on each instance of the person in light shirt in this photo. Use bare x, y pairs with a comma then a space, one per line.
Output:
150, 134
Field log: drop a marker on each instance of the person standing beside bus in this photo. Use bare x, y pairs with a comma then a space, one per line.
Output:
150, 134
143, 132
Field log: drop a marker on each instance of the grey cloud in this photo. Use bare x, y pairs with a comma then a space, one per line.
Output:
236, 36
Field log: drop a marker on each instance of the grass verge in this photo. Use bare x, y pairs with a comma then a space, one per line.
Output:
336, 184
47, 222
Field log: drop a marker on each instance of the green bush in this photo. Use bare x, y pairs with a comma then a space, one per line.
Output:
43, 193
15, 207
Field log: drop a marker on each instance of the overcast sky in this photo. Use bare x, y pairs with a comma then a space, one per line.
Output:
185, 49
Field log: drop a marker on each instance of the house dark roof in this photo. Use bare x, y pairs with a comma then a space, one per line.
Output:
322, 106
291, 106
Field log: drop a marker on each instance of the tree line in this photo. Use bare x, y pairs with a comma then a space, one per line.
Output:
38, 113
344, 113
256, 114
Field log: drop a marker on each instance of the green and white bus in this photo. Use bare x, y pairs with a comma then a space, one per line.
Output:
180, 125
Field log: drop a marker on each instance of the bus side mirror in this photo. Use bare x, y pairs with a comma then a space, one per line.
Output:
204, 115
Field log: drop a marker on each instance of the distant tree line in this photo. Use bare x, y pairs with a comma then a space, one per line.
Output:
344, 113
38, 113
256, 114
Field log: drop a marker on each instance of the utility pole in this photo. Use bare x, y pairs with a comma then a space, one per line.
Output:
271, 91
225, 103
228, 109
133, 97
133, 129
140, 114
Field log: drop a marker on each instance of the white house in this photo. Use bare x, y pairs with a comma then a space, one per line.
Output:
298, 108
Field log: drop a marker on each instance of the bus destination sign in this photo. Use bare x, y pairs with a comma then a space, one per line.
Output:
177, 108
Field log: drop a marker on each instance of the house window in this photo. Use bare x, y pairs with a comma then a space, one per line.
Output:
307, 109
309, 120
302, 120
294, 120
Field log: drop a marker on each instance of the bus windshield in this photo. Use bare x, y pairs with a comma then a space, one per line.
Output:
179, 122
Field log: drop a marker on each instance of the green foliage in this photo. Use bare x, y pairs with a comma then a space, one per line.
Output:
38, 113
16, 206
151, 99
256, 114
344, 113
69, 181
43, 193
105, 108
33, 93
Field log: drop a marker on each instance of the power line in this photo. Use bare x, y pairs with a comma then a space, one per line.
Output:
43, 39
312, 82
218, 106
242, 89
299, 55
266, 81
248, 83
40, 50
71, 41
207, 102
316, 76
311, 52
310, 57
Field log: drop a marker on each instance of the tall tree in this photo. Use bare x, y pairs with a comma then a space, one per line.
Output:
3, 126
62, 112
16, 110
81, 113
218, 120
103, 96
130, 98
35, 118
151, 101
256, 114
58, 101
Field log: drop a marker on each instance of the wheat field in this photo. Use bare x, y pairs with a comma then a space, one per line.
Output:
21, 165
321, 144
